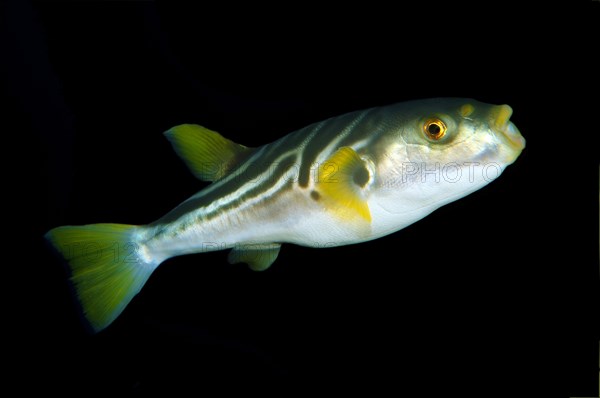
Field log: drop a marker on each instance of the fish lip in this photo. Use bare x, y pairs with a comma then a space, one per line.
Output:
512, 136
508, 132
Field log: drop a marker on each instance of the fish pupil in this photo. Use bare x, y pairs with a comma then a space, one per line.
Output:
434, 129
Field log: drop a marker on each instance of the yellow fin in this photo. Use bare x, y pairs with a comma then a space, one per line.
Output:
258, 256
339, 183
106, 267
207, 153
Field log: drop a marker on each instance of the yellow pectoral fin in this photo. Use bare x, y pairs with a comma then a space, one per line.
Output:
207, 153
339, 186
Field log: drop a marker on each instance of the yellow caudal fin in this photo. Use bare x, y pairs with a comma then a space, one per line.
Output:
207, 153
106, 267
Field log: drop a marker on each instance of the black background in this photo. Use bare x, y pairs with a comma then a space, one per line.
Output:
496, 292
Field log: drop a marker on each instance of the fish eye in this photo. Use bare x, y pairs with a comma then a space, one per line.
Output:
434, 128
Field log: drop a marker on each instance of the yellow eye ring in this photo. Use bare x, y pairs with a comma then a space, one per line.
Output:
434, 128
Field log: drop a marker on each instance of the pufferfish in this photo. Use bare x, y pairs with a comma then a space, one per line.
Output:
345, 180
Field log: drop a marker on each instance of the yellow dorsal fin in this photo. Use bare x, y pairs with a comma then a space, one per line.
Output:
206, 153
258, 256
339, 186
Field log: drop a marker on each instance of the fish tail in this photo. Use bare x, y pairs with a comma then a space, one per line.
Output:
107, 265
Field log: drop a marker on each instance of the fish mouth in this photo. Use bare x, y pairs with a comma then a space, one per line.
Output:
508, 132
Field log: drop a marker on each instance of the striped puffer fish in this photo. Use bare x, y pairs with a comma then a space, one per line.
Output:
345, 180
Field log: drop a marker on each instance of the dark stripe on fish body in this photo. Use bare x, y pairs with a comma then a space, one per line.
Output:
330, 131
264, 163
367, 128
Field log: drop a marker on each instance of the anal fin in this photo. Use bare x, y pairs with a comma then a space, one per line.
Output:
258, 256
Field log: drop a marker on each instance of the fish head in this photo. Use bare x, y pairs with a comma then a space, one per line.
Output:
461, 130
443, 149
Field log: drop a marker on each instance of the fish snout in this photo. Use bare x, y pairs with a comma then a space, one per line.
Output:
508, 132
